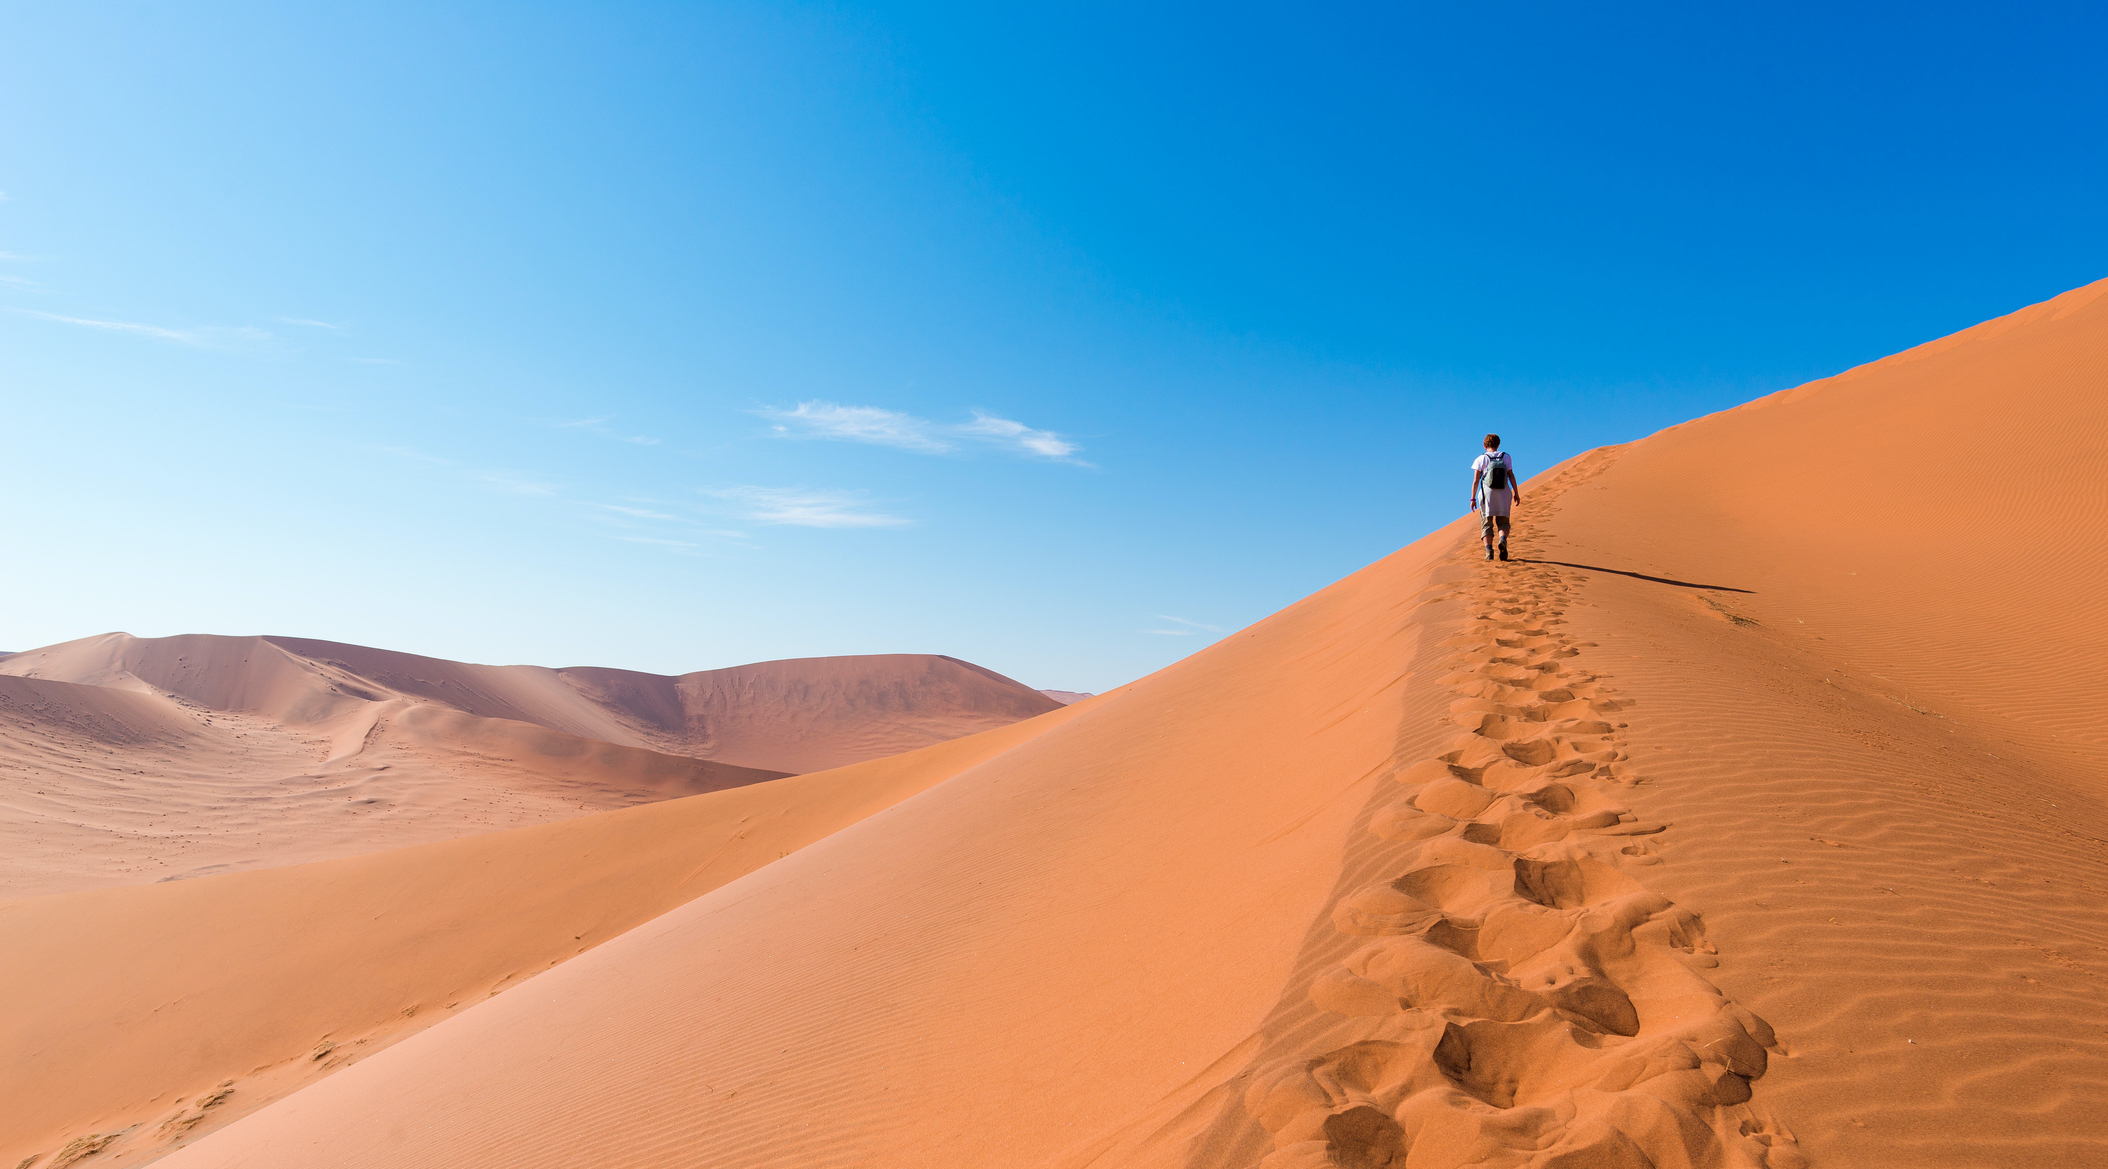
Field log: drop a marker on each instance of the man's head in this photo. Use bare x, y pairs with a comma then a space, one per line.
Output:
1493, 442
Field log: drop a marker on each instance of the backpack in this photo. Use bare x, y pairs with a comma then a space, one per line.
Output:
1496, 471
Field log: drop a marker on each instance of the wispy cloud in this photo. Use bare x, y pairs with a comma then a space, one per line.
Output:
880, 427
21, 283
802, 507
1007, 433
201, 337
867, 424
312, 324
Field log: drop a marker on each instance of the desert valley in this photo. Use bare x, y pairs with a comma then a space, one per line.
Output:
1754, 815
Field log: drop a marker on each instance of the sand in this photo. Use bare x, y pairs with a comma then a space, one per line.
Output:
161, 1012
129, 760
1753, 816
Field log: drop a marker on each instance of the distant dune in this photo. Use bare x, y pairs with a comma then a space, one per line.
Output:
1752, 818
140, 759
1066, 697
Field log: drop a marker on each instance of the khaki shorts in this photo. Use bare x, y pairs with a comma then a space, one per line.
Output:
1494, 512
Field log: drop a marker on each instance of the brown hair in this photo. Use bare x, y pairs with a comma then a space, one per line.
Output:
1493, 442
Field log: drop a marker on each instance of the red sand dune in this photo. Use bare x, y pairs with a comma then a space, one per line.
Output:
134, 759
1754, 817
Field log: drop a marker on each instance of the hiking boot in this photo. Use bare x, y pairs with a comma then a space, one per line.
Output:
1489, 553
1503, 551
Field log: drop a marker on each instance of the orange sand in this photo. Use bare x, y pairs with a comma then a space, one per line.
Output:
161, 1012
129, 760
1754, 817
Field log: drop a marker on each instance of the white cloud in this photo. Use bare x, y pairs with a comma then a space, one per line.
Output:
20, 282
1170, 632
880, 427
1007, 433
804, 508
858, 424
202, 337
309, 323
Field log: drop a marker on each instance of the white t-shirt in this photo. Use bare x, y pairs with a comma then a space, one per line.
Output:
1483, 465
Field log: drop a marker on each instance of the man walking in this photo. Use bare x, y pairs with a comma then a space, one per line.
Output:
1494, 471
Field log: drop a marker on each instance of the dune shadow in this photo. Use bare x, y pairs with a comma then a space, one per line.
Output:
1682, 584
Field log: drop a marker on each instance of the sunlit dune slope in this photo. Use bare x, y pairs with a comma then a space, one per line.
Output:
266, 751
1937, 517
160, 1012
1879, 735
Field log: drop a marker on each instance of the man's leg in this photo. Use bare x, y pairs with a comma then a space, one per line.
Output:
1503, 522
1486, 522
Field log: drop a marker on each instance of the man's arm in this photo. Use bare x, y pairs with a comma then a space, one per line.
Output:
1514, 482
1477, 473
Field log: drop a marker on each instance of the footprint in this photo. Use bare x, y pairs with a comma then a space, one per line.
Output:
1502, 958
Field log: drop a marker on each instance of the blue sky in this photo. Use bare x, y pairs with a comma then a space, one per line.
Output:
1062, 340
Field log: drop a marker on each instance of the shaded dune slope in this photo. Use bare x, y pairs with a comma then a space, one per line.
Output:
198, 754
150, 1015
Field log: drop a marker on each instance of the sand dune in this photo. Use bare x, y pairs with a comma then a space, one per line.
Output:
142, 759
1754, 817
1106, 940
1881, 742
802, 714
160, 1012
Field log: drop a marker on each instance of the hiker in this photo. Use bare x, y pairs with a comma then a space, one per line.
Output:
1496, 472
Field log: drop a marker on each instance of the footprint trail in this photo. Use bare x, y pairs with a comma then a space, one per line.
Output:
1507, 992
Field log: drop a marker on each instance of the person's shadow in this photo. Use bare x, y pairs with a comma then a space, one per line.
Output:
1682, 584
